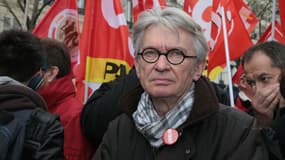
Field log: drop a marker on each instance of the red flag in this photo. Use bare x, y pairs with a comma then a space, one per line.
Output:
247, 16
141, 5
278, 34
61, 22
238, 37
282, 13
250, 21
237, 75
188, 5
106, 50
201, 11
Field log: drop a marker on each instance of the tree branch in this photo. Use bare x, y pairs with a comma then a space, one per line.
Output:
263, 10
21, 5
12, 12
40, 10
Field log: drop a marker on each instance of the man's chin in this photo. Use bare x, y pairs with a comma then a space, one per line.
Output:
160, 94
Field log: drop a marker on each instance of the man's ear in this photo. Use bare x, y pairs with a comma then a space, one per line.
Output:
51, 73
199, 69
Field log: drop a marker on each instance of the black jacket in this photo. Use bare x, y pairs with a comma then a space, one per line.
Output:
278, 126
43, 132
104, 105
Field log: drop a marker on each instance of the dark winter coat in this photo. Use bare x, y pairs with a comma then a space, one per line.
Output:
39, 132
103, 106
212, 131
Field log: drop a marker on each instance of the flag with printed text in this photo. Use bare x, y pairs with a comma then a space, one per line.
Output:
106, 50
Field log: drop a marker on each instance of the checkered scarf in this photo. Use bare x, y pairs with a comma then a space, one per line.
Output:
152, 126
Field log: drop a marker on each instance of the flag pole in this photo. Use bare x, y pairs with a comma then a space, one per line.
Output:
85, 91
227, 57
273, 20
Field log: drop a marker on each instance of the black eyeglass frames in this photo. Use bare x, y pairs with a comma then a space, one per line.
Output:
174, 56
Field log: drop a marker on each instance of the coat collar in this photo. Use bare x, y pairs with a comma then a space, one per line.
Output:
13, 97
57, 92
205, 101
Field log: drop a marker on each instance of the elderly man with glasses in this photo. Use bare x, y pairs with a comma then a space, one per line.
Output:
174, 112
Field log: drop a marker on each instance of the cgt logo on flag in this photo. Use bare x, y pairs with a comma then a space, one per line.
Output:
201, 12
64, 27
61, 23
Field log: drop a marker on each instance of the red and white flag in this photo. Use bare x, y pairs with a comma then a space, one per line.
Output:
106, 48
61, 22
278, 34
250, 21
141, 5
201, 11
247, 16
238, 37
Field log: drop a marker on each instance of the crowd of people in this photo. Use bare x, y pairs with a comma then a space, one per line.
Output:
163, 109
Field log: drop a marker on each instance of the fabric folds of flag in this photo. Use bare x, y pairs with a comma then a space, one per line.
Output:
249, 21
238, 37
106, 49
61, 22
141, 5
247, 16
200, 11
278, 34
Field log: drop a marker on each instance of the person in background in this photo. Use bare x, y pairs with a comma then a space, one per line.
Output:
59, 92
243, 99
174, 113
27, 129
262, 65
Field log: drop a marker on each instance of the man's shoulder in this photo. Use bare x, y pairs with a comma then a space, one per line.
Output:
122, 119
234, 115
123, 123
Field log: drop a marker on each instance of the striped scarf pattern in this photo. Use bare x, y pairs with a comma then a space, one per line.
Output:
152, 126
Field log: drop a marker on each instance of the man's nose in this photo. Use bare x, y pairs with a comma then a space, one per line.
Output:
162, 63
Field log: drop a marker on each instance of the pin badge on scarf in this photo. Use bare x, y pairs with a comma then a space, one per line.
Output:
170, 136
